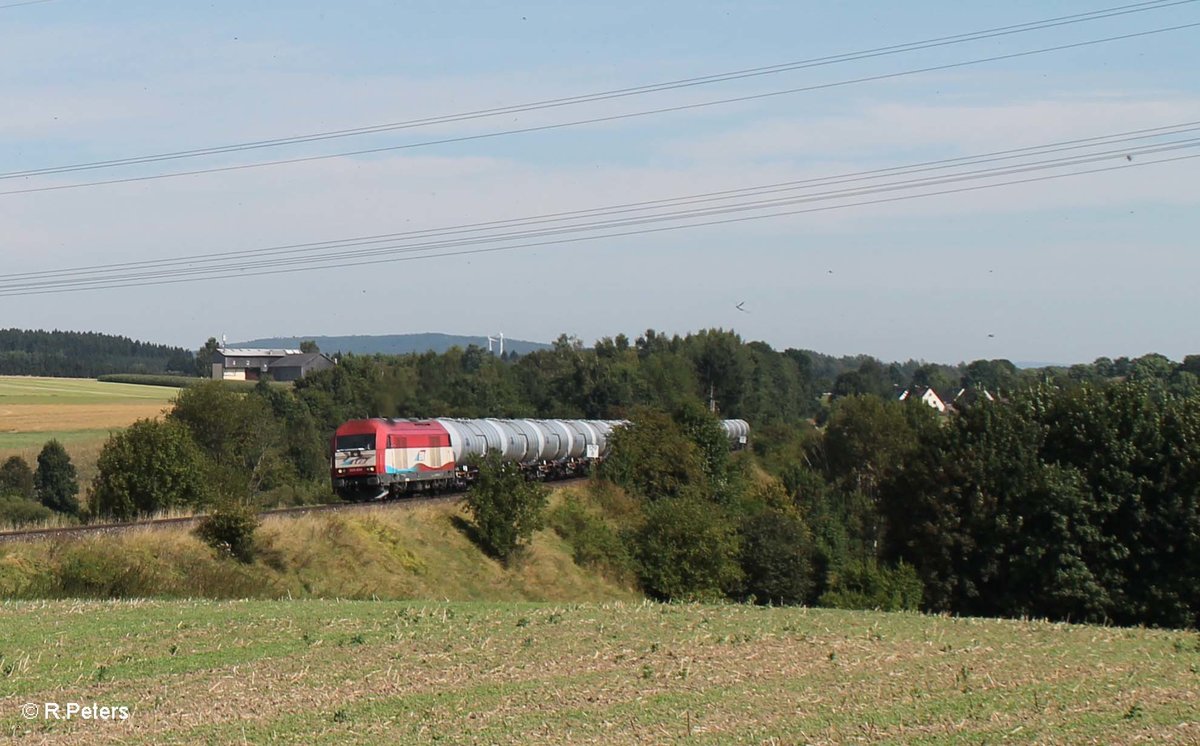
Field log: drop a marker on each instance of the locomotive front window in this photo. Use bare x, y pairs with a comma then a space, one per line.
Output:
356, 442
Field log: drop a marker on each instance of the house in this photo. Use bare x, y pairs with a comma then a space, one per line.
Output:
925, 395
232, 364
971, 394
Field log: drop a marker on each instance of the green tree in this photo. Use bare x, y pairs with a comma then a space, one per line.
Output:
776, 558
149, 466
55, 481
652, 458
505, 507
309, 345
238, 432
16, 478
204, 357
687, 549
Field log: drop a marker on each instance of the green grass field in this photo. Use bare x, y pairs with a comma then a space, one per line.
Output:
629, 673
85, 391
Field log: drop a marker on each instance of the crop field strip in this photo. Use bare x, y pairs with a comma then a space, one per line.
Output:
404, 672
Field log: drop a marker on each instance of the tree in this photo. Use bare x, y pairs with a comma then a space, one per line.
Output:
149, 466
16, 478
652, 458
238, 432
204, 357
505, 507
776, 558
55, 480
309, 345
687, 549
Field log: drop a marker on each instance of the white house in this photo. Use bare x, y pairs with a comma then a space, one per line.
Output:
926, 395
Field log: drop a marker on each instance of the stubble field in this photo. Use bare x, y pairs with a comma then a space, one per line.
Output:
626, 673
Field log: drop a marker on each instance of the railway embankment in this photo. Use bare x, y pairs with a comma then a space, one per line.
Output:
423, 551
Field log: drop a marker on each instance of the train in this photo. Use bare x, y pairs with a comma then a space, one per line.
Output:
378, 458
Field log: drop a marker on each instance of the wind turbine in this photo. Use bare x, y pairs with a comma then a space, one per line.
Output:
492, 340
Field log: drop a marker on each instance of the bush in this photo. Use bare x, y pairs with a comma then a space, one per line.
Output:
594, 543
230, 529
870, 586
687, 550
505, 507
776, 558
18, 511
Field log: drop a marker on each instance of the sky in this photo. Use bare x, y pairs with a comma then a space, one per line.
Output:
865, 225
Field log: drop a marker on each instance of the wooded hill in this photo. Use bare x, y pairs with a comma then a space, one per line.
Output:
86, 355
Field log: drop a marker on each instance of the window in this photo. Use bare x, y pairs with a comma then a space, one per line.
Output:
355, 442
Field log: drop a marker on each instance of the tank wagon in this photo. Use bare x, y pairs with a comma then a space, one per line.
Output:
381, 458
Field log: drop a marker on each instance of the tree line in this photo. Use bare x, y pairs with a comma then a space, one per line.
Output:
86, 355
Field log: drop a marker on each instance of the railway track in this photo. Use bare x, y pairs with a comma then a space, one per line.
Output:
102, 529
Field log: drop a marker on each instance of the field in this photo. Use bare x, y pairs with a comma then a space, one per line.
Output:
80, 413
402, 672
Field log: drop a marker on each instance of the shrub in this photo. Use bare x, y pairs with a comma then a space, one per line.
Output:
868, 585
18, 511
776, 558
594, 543
687, 550
230, 529
505, 507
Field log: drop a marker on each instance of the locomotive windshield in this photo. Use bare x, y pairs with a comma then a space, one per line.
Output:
356, 442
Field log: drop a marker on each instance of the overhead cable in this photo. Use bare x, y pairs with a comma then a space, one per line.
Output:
575, 123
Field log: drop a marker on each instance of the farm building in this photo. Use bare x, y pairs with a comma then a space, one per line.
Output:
278, 365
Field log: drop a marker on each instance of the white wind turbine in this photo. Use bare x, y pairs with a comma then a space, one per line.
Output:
498, 338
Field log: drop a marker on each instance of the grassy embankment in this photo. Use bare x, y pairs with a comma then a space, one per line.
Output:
616, 672
80, 413
421, 552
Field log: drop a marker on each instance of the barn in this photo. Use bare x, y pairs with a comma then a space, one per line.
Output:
253, 364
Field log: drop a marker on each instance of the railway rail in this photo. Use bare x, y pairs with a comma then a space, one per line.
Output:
103, 529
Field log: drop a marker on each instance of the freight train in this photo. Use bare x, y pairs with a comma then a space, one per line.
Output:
378, 458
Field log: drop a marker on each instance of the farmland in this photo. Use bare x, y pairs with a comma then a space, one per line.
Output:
327, 671
80, 413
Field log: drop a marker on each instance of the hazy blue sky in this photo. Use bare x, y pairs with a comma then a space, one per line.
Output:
1060, 270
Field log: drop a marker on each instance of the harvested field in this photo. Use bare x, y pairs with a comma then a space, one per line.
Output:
623, 673
80, 413
51, 418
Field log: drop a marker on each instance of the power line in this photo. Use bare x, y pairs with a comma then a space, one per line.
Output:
1119, 138
1105, 13
604, 119
27, 2
459, 247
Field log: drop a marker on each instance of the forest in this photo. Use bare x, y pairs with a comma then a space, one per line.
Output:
1065, 493
86, 355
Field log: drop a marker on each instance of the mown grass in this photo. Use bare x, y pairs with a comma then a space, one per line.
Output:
328, 671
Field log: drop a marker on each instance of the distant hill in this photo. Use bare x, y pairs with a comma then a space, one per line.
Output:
391, 344
86, 355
